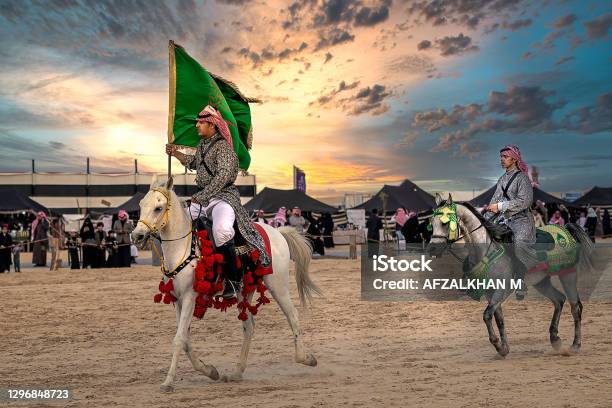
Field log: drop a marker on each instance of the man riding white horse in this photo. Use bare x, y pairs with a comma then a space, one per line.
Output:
512, 199
216, 164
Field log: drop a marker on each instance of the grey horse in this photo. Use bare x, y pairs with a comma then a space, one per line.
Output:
452, 222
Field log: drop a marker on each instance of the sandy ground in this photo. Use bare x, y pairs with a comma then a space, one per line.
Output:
99, 333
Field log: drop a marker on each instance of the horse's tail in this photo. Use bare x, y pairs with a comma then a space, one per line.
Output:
585, 263
300, 251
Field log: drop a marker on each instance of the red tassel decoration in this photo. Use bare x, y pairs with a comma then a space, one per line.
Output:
206, 283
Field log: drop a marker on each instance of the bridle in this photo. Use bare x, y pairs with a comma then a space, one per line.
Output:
448, 215
154, 232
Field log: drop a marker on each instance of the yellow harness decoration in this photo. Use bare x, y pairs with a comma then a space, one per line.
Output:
448, 215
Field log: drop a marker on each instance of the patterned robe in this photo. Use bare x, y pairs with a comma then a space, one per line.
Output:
517, 214
223, 163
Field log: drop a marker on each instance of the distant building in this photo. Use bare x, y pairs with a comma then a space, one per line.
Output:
571, 196
67, 193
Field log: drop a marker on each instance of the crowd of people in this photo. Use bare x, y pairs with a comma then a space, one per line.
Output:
318, 230
89, 247
594, 221
94, 247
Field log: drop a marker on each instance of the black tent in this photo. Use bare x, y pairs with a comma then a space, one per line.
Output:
597, 196
407, 195
131, 205
15, 201
485, 198
271, 199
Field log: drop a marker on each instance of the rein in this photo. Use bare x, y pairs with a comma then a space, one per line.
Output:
448, 214
154, 232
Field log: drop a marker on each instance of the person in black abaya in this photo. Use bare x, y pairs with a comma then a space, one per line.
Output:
88, 240
327, 228
6, 246
314, 235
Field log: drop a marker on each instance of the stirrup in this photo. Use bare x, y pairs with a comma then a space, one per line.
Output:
520, 293
230, 289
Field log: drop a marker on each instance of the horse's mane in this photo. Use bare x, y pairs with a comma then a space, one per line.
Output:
498, 232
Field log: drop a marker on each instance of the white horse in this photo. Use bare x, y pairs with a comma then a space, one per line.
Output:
161, 212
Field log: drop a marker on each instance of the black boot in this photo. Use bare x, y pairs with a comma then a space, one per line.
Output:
519, 273
230, 270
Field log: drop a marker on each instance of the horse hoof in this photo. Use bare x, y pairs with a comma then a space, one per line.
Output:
503, 350
210, 371
232, 378
575, 348
310, 360
556, 344
213, 374
166, 388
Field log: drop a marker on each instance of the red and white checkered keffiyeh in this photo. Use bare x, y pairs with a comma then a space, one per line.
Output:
514, 152
211, 115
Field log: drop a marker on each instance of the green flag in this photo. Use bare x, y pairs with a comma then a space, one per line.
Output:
191, 89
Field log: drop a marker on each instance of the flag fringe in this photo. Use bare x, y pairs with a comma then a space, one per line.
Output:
250, 139
235, 88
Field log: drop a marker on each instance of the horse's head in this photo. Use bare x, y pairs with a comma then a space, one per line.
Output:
154, 210
444, 225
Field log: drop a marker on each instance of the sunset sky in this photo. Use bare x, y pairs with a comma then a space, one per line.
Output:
356, 93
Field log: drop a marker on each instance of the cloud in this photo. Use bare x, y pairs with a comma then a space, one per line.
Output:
56, 145
464, 13
592, 119
408, 139
563, 60
367, 16
455, 45
366, 100
440, 118
599, 27
333, 36
450, 45
423, 45
329, 97
234, 2
17, 151
565, 21
332, 12
412, 64
270, 54
549, 40
328, 57
370, 99
517, 24
519, 109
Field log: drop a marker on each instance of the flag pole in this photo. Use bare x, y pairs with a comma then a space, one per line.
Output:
172, 96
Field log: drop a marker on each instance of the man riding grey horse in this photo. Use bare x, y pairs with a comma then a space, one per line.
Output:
512, 200
216, 164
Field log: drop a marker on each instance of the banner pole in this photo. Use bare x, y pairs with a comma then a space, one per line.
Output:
169, 166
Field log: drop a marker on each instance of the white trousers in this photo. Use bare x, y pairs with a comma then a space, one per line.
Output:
222, 215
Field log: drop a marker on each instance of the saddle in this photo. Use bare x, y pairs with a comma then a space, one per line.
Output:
206, 224
500, 232
545, 240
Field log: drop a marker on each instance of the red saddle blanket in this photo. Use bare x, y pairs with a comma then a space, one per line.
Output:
208, 280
